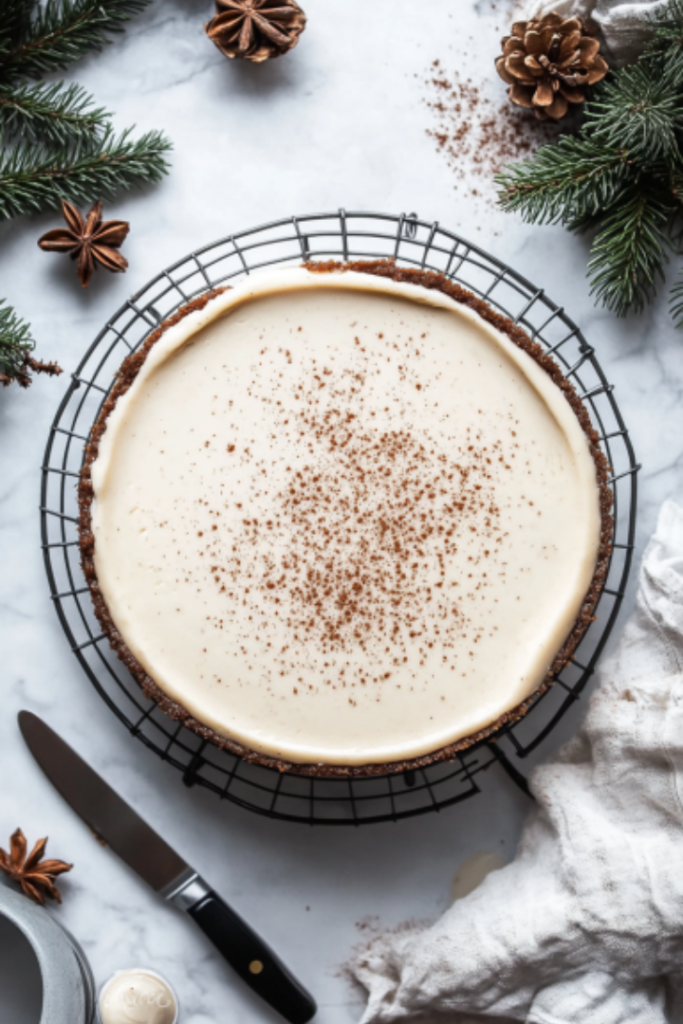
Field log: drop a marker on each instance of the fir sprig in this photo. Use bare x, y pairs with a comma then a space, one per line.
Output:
31, 180
16, 346
568, 182
16, 343
629, 252
622, 172
50, 114
639, 112
14, 23
55, 143
63, 32
677, 303
667, 23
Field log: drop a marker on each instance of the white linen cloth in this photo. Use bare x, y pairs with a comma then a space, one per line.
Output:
621, 25
585, 926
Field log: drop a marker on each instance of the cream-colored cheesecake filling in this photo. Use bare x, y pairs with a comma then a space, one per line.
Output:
343, 520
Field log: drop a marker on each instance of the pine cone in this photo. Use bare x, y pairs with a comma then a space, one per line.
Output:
550, 63
256, 29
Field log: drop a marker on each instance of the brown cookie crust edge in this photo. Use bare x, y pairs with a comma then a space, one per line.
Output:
425, 279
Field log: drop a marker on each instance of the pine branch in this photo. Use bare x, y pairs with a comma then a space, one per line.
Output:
16, 344
631, 250
64, 147
64, 31
50, 114
674, 185
570, 182
31, 181
677, 302
15, 23
639, 111
664, 54
622, 173
667, 25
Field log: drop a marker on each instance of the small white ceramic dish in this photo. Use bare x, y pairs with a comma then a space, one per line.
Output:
137, 1013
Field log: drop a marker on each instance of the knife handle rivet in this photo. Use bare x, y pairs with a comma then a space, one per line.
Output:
255, 966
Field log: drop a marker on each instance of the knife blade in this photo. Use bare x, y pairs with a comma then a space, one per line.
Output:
150, 856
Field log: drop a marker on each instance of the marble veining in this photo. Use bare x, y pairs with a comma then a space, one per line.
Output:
341, 121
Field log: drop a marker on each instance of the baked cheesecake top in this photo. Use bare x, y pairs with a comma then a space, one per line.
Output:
343, 520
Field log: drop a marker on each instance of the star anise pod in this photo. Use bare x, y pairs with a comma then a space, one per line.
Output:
256, 29
35, 876
549, 64
91, 242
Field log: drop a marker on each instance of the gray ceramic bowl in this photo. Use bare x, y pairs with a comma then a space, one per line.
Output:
67, 982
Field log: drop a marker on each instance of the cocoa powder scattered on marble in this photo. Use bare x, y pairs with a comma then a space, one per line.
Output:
478, 135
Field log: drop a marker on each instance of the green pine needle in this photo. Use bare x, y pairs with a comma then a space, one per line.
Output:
667, 25
674, 185
677, 303
31, 180
622, 173
571, 181
54, 143
63, 32
16, 344
50, 114
15, 23
630, 252
639, 111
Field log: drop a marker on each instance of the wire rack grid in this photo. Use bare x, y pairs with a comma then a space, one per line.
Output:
343, 236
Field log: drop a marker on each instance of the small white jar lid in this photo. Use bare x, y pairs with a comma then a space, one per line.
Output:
134, 1013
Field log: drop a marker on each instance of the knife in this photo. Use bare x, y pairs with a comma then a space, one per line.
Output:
110, 817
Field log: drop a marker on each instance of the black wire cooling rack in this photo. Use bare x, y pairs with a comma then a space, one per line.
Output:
345, 236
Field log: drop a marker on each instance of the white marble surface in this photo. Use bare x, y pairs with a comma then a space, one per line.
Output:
341, 121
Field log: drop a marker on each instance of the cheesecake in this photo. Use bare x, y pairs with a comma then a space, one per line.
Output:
343, 518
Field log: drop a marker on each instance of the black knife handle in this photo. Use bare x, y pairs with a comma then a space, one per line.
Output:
252, 959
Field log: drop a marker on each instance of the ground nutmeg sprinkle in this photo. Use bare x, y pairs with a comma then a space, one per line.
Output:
476, 134
349, 546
